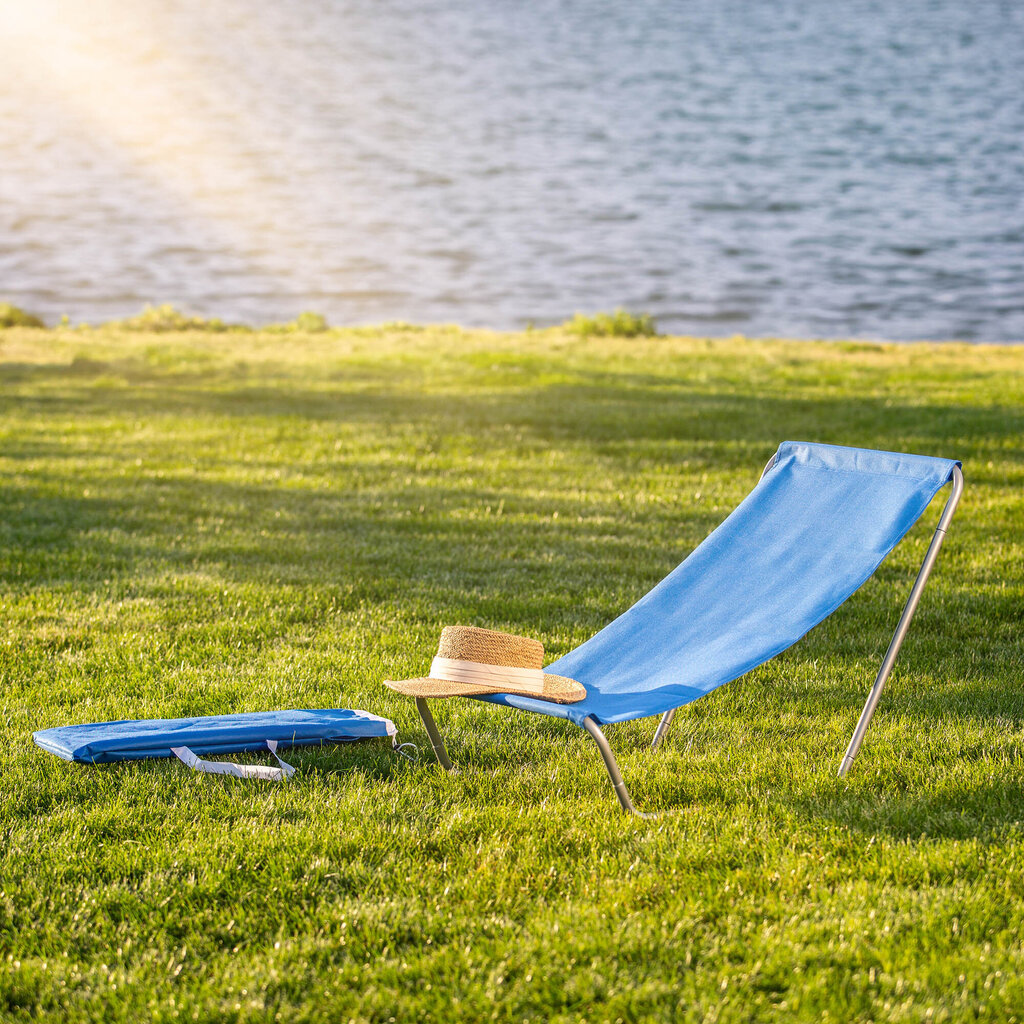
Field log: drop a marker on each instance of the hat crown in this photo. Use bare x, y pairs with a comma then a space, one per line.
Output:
489, 647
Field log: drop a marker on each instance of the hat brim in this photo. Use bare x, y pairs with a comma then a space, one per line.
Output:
559, 689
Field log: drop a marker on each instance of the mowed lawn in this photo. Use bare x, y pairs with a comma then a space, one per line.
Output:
196, 523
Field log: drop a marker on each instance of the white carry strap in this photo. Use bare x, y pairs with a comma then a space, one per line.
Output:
240, 771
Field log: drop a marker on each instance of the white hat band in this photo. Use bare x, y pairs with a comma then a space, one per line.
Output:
476, 672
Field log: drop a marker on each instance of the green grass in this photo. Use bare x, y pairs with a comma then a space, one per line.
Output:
197, 523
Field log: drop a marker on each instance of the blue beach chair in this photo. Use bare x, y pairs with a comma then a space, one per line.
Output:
815, 528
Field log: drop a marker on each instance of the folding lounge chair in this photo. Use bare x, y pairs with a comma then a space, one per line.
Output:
816, 526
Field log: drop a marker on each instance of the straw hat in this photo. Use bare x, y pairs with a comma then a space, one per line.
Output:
472, 661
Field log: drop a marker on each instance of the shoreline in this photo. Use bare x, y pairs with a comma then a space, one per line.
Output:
620, 323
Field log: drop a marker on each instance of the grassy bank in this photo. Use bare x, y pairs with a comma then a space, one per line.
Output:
199, 523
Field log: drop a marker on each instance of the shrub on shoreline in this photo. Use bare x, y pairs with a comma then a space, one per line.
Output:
12, 316
167, 318
310, 323
618, 324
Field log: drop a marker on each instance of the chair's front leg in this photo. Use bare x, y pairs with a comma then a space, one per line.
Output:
435, 737
613, 769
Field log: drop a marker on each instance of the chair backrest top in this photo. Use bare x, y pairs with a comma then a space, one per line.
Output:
816, 526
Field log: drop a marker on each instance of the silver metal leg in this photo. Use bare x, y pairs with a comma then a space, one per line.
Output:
659, 733
613, 769
904, 624
435, 737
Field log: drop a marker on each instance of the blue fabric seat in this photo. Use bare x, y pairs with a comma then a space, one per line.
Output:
814, 529
816, 526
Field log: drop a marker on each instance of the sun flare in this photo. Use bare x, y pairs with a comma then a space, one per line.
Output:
121, 72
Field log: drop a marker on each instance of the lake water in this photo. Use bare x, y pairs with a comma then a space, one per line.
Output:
766, 167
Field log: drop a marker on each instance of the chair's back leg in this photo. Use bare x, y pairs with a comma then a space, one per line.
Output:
435, 737
659, 733
613, 769
904, 624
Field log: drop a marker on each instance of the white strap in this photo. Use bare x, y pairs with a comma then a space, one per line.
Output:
458, 671
240, 771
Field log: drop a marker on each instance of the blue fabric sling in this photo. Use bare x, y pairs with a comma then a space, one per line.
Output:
814, 529
102, 742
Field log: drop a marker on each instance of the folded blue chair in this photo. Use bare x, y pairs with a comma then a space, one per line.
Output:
815, 528
187, 738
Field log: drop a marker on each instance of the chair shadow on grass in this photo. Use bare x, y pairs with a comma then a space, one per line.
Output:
984, 812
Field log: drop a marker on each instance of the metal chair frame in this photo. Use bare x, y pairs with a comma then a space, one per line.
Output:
666, 719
